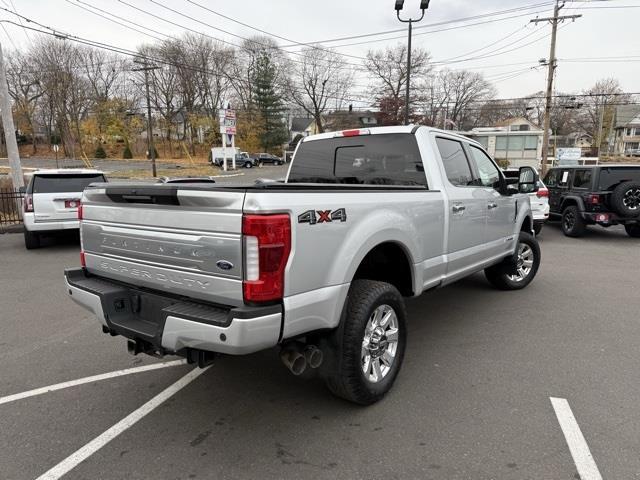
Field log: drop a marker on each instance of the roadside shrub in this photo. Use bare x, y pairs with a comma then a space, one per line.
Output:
100, 153
503, 163
127, 152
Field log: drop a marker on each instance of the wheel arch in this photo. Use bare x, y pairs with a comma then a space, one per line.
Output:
572, 200
388, 261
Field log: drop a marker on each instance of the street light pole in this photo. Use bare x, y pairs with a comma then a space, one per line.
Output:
424, 4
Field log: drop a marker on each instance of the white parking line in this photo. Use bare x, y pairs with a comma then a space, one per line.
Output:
101, 440
94, 378
587, 468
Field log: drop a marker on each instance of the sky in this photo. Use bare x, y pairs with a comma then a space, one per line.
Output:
589, 48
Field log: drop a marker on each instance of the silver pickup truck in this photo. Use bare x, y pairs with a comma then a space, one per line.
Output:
318, 265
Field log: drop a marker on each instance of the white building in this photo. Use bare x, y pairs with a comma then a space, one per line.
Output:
516, 141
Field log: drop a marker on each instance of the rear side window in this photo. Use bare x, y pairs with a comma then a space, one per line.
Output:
582, 179
611, 177
455, 162
64, 183
389, 159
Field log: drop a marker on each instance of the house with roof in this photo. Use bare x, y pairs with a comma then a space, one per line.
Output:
514, 142
346, 119
626, 130
301, 126
582, 140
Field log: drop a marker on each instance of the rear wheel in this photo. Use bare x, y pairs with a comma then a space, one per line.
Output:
572, 223
365, 353
519, 271
633, 230
31, 239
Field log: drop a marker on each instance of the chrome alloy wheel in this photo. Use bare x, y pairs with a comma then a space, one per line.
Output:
380, 343
631, 199
524, 264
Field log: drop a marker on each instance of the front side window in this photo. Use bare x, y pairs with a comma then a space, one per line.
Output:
455, 162
487, 170
582, 179
552, 178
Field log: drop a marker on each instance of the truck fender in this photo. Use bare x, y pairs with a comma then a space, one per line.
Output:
367, 235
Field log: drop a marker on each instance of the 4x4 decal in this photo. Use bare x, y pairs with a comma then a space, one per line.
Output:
322, 216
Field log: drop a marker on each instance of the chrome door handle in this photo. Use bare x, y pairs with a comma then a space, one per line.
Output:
492, 205
458, 208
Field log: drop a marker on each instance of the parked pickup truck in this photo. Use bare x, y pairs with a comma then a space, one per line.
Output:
318, 265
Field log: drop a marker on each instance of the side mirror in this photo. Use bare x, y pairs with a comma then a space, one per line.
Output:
528, 180
22, 190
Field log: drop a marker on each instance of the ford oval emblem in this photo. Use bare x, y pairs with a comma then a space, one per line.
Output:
224, 265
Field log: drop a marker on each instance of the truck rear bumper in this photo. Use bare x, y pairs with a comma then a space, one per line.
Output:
171, 324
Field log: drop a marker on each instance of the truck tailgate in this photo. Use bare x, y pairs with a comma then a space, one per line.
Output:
185, 241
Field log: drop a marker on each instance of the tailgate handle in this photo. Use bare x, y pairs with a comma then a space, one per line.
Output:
148, 195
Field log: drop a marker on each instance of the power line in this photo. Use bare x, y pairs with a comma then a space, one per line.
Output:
446, 22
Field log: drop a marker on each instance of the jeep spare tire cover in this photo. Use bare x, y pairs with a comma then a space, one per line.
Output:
625, 199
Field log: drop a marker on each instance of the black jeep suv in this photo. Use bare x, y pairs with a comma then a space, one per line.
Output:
588, 195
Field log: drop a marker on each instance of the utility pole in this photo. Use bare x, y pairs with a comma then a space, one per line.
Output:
152, 149
550, 73
424, 4
9, 128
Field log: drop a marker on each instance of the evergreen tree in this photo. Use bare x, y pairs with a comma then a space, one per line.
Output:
268, 102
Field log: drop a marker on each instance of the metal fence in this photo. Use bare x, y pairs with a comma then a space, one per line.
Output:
10, 208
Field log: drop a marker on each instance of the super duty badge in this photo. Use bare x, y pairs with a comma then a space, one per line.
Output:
322, 216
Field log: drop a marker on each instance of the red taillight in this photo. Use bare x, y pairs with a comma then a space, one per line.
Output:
542, 192
267, 244
82, 260
594, 199
28, 203
80, 212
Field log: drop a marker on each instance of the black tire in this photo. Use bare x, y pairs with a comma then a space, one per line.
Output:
572, 223
537, 228
248, 165
625, 199
276, 163
31, 239
343, 370
633, 230
505, 275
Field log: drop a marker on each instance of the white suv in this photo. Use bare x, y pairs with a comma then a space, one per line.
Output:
51, 201
539, 201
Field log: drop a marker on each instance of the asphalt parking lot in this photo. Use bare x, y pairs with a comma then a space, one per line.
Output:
472, 400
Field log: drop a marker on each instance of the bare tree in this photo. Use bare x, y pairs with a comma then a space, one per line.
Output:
460, 90
65, 91
599, 112
23, 80
318, 78
389, 70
